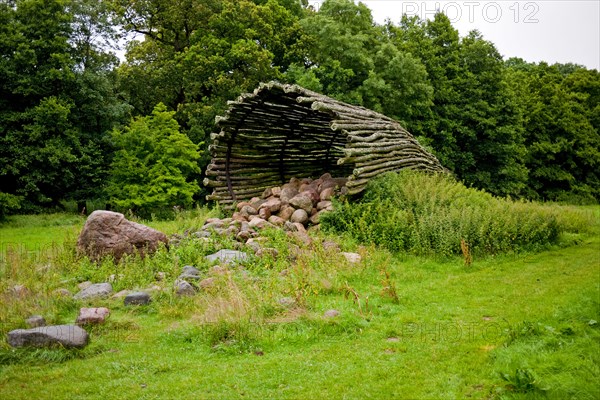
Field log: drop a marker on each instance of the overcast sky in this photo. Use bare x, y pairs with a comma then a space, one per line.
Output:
542, 30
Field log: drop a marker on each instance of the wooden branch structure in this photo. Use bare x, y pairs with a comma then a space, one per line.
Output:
282, 131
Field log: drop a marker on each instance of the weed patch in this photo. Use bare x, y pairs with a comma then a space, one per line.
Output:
429, 214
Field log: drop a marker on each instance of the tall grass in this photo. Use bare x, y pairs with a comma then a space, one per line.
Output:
433, 214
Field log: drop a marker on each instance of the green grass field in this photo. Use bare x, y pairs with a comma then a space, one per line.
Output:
522, 325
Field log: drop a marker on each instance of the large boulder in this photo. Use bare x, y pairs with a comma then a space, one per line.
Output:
47, 336
110, 233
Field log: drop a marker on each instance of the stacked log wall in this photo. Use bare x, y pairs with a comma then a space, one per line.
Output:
282, 131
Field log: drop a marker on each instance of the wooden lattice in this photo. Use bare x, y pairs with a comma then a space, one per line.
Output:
284, 131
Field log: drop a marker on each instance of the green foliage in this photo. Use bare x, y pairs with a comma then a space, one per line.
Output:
511, 128
57, 102
522, 381
561, 130
8, 204
154, 166
198, 55
431, 214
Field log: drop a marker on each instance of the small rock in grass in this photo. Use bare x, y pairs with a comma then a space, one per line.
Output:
92, 316
35, 321
301, 237
190, 272
121, 294
94, 291
352, 258
202, 234
267, 251
315, 219
225, 256
331, 313
183, 288
286, 302
207, 283
331, 246
84, 285
137, 299
62, 292
47, 336
218, 270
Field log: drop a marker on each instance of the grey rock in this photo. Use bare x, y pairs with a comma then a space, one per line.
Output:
46, 336
183, 288
137, 299
299, 216
35, 321
225, 256
96, 290
287, 193
202, 234
213, 225
247, 211
302, 201
189, 272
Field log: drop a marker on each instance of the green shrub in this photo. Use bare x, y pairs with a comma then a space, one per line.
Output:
154, 166
8, 204
432, 214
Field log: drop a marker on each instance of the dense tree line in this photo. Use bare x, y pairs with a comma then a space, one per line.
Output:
69, 108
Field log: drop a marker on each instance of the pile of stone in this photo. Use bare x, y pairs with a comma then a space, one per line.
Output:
295, 206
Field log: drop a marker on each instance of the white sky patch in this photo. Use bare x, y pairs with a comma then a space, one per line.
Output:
544, 30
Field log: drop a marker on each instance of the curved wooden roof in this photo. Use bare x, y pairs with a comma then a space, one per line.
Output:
282, 131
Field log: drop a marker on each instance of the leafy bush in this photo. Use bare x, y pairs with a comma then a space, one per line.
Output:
154, 166
8, 204
432, 214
